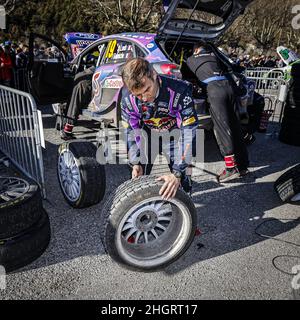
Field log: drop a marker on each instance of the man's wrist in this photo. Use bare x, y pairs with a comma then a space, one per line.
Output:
131, 165
177, 174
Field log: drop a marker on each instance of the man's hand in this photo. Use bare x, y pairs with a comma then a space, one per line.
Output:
170, 187
137, 171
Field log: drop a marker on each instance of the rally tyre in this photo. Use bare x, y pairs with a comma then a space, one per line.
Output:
288, 185
141, 231
21, 250
81, 178
20, 205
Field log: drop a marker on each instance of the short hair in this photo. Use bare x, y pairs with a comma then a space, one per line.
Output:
134, 71
199, 44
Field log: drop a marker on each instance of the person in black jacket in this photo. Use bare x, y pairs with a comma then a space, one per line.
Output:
224, 111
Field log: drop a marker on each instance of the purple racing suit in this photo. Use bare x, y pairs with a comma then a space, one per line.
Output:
172, 109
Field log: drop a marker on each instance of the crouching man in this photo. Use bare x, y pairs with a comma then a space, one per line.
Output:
157, 105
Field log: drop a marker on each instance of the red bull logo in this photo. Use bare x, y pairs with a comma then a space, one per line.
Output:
160, 123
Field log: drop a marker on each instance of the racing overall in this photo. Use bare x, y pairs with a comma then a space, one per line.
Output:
172, 108
223, 109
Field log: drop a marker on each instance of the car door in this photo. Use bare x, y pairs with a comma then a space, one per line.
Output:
49, 76
107, 79
198, 19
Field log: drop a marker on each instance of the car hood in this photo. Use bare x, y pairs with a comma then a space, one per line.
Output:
199, 19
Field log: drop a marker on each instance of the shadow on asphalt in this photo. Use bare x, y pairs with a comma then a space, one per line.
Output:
228, 219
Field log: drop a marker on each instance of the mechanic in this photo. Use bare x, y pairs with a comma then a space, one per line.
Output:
80, 98
158, 103
223, 109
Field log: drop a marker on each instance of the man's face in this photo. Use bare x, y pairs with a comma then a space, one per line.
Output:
148, 92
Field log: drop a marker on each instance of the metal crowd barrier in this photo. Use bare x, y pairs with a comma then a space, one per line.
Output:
255, 69
271, 84
20, 81
21, 133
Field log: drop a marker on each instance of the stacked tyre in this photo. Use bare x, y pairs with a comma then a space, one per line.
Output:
290, 128
24, 224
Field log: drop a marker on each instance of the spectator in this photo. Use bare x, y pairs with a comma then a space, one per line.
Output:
280, 63
21, 59
6, 66
270, 63
40, 53
12, 52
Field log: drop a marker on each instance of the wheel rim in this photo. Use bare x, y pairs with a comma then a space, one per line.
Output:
69, 175
153, 232
12, 189
296, 198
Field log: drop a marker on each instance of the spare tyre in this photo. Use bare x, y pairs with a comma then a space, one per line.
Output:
81, 178
143, 232
288, 185
20, 205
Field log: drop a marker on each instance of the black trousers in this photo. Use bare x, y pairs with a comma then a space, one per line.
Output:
81, 94
225, 117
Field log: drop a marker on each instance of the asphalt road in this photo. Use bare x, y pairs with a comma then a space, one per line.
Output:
229, 260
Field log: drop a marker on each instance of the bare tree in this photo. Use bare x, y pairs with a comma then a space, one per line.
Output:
129, 15
263, 24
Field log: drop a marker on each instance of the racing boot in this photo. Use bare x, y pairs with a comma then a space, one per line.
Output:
66, 134
230, 172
